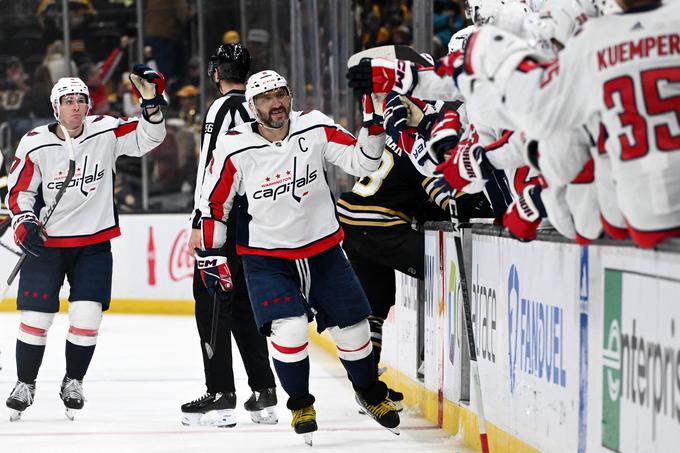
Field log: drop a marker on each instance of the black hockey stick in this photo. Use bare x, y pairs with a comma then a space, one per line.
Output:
210, 348
52, 207
474, 368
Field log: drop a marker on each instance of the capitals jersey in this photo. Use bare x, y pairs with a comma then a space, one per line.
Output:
223, 115
286, 206
86, 214
626, 68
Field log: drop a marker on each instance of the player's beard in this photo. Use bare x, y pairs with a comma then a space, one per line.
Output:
267, 121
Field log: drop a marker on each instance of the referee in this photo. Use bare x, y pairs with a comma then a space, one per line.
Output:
228, 69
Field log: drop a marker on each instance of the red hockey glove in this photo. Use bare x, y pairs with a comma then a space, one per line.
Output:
149, 85
467, 169
443, 135
29, 233
524, 214
215, 273
378, 75
372, 120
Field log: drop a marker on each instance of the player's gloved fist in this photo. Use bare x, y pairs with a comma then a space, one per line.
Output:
378, 75
372, 118
531, 154
396, 116
467, 169
29, 233
149, 85
525, 213
443, 135
215, 273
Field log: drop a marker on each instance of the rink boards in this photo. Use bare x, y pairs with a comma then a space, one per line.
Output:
578, 348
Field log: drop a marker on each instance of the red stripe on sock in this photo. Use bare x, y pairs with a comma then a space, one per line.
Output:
287, 350
354, 350
32, 330
83, 332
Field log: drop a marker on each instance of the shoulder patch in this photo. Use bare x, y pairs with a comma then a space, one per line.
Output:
99, 118
233, 132
32, 133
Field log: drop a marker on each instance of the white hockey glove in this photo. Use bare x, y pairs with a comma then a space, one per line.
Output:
372, 110
379, 75
149, 85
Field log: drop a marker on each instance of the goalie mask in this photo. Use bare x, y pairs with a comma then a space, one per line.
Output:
230, 62
66, 86
261, 83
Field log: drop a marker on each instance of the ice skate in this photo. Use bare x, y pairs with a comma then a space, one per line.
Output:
304, 422
20, 399
262, 406
382, 412
221, 403
72, 395
396, 398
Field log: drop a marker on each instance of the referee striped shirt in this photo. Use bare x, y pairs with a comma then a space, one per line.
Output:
224, 114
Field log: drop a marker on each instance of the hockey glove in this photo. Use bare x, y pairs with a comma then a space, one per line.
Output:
396, 116
215, 273
29, 233
524, 214
378, 75
149, 85
372, 117
468, 169
443, 135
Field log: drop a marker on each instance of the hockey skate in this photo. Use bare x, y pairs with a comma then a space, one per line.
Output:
262, 406
72, 395
395, 399
20, 399
221, 403
304, 422
383, 412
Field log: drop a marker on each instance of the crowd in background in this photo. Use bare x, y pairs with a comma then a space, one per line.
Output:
103, 48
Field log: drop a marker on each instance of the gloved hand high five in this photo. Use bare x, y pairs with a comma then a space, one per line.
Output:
443, 136
149, 85
467, 169
371, 106
379, 75
525, 213
215, 273
29, 233
396, 115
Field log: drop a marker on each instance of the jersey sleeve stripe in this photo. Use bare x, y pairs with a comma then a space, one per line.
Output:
125, 129
500, 142
222, 190
22, 184
334, 135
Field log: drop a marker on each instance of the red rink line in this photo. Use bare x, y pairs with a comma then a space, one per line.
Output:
214, 430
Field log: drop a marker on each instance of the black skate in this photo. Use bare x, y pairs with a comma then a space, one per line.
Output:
222, 403
396, 398
72, 395
262, 406
383, 412
304, 422
20, 399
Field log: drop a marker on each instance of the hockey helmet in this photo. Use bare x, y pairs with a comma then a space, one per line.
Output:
65, 86
459, 40
262, 82
562, 18
231, 61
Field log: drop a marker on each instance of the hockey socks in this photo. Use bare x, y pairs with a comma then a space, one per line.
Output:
294, 378
362, 372
376, 325
28, 357
78, 360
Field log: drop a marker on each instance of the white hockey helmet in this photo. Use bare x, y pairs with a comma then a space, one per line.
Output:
264, 81
459, 40
68, 85
481, 11
606, 7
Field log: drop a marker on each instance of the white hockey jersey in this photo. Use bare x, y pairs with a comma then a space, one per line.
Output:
288, 209
86, 213
625, 67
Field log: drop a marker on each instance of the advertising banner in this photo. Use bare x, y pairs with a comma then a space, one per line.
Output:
453, 321
640, 355
433, 298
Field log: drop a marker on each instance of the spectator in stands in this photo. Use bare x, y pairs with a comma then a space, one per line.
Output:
231, 37
96, 77
56, 63
13, 89
163, 22
81, 12
37, 104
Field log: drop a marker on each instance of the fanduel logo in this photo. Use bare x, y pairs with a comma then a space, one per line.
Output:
484, 306
535, 336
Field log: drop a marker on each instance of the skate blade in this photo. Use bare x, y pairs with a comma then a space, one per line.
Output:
70, 413
394, 430
308, 438
14, 415
191, 419
264, 417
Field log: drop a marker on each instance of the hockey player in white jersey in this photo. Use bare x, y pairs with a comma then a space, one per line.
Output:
288, 235
623, 67
76, 241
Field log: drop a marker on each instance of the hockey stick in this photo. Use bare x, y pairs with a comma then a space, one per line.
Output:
52, 207
474, 369
9, 249
210, 348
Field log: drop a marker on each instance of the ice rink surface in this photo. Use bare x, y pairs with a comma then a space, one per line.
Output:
145, 367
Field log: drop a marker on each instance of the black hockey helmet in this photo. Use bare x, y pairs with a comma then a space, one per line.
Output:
231, 61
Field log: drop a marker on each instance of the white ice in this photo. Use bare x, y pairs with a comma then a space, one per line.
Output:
145, 367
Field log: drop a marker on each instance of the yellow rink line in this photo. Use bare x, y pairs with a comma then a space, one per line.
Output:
457, 420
